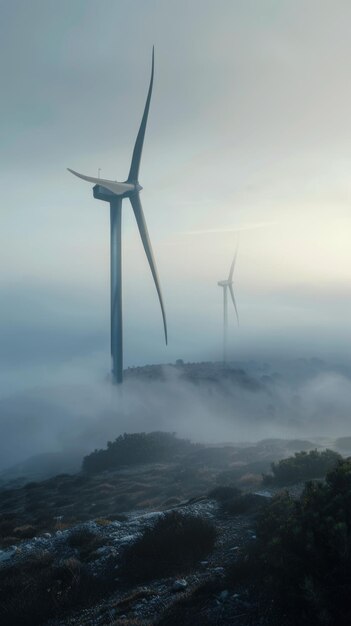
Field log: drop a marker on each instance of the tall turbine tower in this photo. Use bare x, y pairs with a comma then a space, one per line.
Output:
114, 192
228, 284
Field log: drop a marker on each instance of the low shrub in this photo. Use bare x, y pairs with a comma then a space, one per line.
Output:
103, 521
6, 542
36, 590
136, 448
302, 466
173, 545
230, 476
234, 501
245, 503
26, 531
301, 559
86, 542
222, 493
250, 480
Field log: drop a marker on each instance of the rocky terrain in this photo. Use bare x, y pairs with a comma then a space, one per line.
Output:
71, 534
67, 499
146, 602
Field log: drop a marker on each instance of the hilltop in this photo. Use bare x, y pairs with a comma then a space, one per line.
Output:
78, 534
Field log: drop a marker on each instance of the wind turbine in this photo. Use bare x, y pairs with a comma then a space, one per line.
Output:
114, 192
228, 285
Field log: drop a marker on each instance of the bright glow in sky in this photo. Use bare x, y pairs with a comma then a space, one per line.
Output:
249, 131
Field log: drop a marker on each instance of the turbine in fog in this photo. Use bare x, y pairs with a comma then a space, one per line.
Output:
228, 285
114, 192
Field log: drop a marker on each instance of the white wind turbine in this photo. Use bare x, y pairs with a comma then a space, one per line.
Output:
114, 193
228, 285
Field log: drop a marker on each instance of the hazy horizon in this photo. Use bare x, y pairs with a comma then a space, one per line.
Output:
247, 140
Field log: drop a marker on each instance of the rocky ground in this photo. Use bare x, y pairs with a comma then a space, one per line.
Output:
32, 508
83, 523
144, 603
148, 602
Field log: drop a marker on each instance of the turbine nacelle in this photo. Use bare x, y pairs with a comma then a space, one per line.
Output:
224, 283
113, 187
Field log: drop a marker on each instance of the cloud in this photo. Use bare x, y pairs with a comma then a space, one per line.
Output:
306, 400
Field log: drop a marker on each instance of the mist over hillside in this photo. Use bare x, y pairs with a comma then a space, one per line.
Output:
202, 401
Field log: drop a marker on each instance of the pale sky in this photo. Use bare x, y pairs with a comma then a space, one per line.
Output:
249, 130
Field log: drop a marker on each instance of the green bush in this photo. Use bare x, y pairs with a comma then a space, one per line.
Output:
35, 590
223, 493
245, 503
301, 467
136, 448
302, 557
233, 501
173, 545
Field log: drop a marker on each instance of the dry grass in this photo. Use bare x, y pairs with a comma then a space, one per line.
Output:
102, 521
250, 481
33, 591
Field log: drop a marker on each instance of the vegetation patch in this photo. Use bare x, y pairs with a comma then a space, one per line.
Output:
245, 503
27, 531
223, 493
36, 590
301, 467
301, 559
233, 501
173, 545
136, 448
86, 542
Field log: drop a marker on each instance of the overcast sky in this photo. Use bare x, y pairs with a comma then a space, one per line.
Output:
249, 130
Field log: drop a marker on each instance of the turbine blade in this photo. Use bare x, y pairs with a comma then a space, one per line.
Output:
231, 271
138, 147
233, 299
139, 216
90, 179
111, 185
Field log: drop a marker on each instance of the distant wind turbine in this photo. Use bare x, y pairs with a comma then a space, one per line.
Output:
114, 192
228, 285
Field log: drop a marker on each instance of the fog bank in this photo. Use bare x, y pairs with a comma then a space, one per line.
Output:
302, 398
